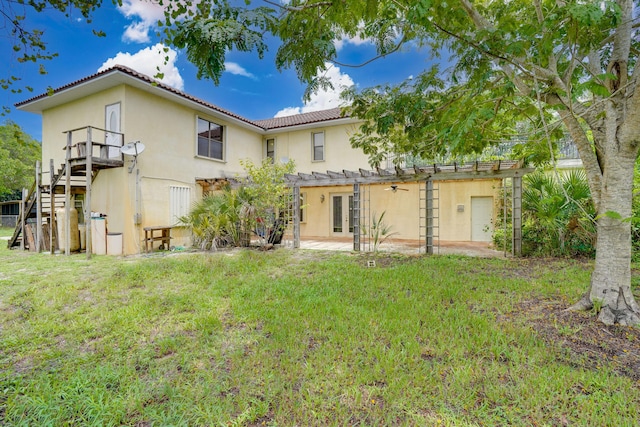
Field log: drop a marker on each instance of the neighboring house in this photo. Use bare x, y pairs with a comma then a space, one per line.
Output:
191, 146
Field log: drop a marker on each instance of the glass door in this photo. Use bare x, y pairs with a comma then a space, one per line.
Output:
342, 214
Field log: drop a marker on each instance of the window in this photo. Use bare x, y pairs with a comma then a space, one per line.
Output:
271, 149
210, 140
303, 208
179, 203
317, 139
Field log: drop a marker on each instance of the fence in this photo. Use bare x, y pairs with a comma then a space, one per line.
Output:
8, 221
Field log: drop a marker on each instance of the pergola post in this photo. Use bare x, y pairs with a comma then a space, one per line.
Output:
356, 217
296, 216
517, 215
429, 217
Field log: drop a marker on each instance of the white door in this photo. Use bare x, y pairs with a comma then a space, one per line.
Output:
481, 219
342, 214
112, 123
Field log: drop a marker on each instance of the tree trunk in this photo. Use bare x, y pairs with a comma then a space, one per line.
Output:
610, 289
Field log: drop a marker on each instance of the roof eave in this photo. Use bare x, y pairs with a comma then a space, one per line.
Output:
115, 77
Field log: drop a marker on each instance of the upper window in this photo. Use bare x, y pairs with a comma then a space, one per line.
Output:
271, 149
317, 141
210, 139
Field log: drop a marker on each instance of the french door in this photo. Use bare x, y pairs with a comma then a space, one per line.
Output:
342, 214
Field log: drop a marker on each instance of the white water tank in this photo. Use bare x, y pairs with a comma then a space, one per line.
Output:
98, 236
74, 241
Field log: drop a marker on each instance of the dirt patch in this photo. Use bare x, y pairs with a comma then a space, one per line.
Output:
589, 343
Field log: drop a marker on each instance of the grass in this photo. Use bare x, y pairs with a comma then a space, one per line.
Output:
292, 338
6, 232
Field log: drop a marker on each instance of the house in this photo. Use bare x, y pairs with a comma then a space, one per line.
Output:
191, 146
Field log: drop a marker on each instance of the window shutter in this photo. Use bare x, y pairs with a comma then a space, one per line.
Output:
180, 203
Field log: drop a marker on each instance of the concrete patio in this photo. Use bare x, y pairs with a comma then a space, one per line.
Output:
477, 249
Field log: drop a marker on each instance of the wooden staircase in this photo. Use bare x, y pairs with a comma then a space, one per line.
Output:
36, 226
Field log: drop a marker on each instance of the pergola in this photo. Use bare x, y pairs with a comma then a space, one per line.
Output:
425, 175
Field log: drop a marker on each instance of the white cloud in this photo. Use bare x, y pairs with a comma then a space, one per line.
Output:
288, 111
146, 60
323, 99
146, 14
237, 69
356, 41
137, 32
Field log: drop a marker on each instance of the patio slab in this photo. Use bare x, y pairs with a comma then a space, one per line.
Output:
477, 249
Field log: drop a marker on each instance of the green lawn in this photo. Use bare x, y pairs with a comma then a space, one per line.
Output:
6, 232
295, 338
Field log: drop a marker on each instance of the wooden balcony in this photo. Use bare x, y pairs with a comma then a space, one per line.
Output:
93, 148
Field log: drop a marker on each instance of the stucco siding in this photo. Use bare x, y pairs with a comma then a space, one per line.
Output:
89, 111
401, 208
455, 225
339, 154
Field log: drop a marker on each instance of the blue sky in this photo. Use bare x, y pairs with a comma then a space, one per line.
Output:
250, 87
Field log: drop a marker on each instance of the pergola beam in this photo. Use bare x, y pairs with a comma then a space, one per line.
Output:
351, 178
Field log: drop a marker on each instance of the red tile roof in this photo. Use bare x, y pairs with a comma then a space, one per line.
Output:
143, 77
267, 124
301, 119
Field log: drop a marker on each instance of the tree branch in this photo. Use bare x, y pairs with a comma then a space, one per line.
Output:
587, 155
539, 14
298, 8
382, 55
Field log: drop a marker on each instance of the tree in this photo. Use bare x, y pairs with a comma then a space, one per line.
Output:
558, 64
229, 217
268, 193
18, 155
28, 44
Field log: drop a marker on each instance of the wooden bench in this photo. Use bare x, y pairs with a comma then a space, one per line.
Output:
155, 234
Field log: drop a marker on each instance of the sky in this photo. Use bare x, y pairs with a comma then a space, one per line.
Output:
250, 87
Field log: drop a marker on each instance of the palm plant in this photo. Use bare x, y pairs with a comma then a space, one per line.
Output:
217, 220
558, 214
379, 231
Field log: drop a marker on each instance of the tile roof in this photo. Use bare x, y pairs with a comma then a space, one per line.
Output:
143, 77
266, 124
301, 119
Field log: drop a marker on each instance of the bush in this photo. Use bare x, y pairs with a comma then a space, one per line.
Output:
229, 217
216, 220
557, 216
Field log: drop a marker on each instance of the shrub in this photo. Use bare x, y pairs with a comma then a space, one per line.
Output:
557, 216
217, 221
259, 205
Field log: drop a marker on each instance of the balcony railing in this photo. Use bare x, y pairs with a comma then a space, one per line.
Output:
105, 144
566, 150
